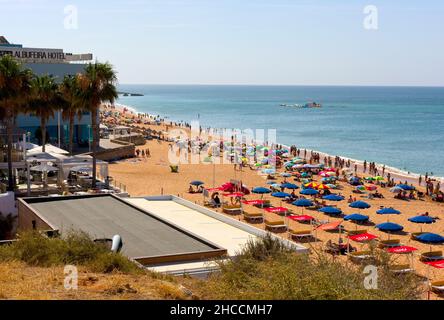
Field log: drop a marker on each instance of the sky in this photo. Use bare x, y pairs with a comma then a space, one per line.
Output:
275, 42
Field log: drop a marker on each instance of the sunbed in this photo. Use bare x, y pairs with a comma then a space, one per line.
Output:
354, 232
266, 204
253, 217
389, 243
275, 226
336, 249
431, 256
437, 286
301, 234
360, 255
232, 210
401, 268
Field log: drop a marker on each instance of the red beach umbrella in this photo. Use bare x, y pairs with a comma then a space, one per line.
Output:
364, 237
254, 202
439, 264
302, 218
330, 226
401, 250
277, 210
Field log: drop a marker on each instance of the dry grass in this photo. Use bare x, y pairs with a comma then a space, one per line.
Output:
20, 281
76, 248
265, 270
33, 268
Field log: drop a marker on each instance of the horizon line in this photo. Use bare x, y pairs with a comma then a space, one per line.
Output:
285, 85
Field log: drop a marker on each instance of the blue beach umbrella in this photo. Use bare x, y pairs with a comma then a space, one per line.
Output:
303, 203
430, 238
285, 175
355, 181
359, 205
406, 187
356, 217
333, 197
280, 195
269, 171
388, 211
290, 186
261, 190
309, 192
422, 219
331, 210
396, 190
389, 227
197, 183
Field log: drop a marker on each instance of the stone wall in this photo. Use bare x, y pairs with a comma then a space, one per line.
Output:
138, 140
126, 150
27, 219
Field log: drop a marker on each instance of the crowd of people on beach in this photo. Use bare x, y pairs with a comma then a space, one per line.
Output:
202, 145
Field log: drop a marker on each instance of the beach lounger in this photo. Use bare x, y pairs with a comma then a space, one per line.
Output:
401, 268
437, 287
232, 210
275, 226
360, 256
301, 234
266, 204
336, 249
431, 256
253, 217
389, 243
355, 232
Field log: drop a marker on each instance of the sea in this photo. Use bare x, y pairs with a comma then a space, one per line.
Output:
401, 127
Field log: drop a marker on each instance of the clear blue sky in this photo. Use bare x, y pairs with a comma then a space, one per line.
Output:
319, 42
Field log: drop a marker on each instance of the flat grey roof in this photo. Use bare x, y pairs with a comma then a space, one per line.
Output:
103, 217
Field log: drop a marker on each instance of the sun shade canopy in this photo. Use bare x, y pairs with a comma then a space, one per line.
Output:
401, 250
301, 218
364, 237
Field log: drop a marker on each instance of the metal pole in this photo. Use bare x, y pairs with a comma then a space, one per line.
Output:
28, 178
89, 137
58, 127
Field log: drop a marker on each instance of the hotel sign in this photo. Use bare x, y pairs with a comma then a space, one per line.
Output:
33, 55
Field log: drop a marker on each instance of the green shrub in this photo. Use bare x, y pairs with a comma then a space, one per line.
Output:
264, 269
75, 248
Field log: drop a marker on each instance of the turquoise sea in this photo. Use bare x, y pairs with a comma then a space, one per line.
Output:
402, 127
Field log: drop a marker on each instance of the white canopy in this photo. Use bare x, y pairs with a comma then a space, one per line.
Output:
45, 156
49, 148
27, 145
44, 168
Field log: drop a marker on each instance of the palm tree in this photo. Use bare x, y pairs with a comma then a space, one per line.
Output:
14, 93
96, 85
72, 107
45, 99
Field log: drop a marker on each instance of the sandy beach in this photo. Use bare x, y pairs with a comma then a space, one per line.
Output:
152, 176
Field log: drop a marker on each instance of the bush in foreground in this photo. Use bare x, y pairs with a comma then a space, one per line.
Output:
76, 248
265, 269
